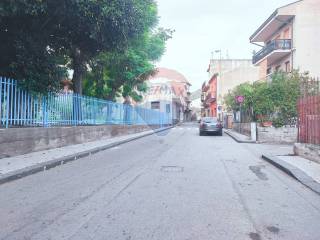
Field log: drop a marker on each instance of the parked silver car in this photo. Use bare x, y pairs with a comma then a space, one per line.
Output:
210, 125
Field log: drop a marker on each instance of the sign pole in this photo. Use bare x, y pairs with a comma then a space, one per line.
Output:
240, 100
240, 119
240, 112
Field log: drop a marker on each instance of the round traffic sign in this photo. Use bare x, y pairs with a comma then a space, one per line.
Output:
240, 99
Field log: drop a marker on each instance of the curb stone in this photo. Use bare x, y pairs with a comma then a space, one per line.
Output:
234, 137
294, 172
24, 172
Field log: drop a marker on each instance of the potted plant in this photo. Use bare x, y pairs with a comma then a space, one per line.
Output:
266, 121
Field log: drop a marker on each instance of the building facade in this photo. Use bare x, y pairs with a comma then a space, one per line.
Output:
229, 73
196, 104
289, 39
168, 91
209, 97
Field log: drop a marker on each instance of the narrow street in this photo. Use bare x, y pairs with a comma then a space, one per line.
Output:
171, 186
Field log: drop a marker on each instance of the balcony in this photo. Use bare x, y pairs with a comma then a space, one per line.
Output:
188, 100
203, 97
210, 98
275, 50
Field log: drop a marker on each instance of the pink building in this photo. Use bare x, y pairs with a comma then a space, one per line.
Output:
168, 91
209, 97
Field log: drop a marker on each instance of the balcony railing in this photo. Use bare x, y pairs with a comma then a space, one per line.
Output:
211, 97
279, 44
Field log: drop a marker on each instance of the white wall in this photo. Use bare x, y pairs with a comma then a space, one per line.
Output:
306, 37
233, 73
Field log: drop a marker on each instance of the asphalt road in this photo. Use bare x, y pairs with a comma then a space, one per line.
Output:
177, 186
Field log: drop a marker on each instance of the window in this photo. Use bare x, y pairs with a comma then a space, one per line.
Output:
278, 68
288, 67
286, 33
268, 71
168, 108
155, 105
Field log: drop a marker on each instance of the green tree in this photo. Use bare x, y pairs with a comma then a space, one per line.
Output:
263, 104
52, 32
285, 91
275, 100
246, 90
25, 52
115, 73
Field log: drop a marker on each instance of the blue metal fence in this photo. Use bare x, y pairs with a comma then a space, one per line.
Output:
19, 107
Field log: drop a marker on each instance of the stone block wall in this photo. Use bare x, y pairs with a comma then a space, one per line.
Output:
18, 141
308, 151
283, 135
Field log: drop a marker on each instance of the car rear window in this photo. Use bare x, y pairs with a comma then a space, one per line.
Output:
209, 120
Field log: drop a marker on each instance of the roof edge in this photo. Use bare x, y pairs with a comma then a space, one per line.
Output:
274, 14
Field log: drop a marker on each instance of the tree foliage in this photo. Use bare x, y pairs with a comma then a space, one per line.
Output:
39, 38
124, 73
24, 48
275, 100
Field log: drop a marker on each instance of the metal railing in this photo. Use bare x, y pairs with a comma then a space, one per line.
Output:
19, 107
278, 44
211, 97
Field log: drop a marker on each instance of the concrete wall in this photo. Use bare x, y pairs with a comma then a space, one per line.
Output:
17, 141
242, 128
245, 73
263, 66
306, 35
284, 135
232, 72
308, 151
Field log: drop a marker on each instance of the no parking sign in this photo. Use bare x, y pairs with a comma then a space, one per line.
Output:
240, 99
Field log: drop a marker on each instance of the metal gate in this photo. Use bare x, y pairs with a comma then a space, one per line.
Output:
309, 112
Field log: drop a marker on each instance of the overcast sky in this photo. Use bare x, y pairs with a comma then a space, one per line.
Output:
202, 26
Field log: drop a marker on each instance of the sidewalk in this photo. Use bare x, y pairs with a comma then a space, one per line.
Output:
20, 166
281, 156
240, 138
305, 171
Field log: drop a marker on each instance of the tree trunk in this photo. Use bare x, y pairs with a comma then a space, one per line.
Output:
112, 95
77, 81
79, 68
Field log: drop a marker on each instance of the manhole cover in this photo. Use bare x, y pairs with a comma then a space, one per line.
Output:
171, 169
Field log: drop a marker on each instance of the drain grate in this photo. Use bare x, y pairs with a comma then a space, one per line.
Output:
172, 169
